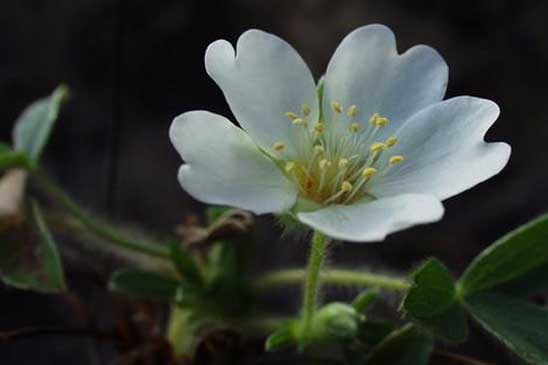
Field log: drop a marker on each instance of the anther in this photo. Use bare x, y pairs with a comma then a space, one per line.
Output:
278, 146
391, 142
377, 147
292, 116
346, 186
394, 160
320, 127
381, 121
318, 150
352, 111
373, 118
306, 110
355, 127
343, 162
337, 107
324, 163
289, 166
369, 172
298, 121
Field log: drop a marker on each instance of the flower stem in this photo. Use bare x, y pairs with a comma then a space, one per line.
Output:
333, 277
312, 283
100, 229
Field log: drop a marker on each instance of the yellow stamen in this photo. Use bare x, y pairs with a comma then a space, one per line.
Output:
324, 163
346, 186
298, 121
377, 147
394, 160
337, 107
278, 146
343, 162
369, 172
306, 110
292, 116
355, 127
318, 150
381, 121
320, 127
391, 142
352, 111
373, 118
289, 166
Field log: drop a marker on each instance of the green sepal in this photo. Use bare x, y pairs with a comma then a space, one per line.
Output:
365, 299
145, 284
282, 338
185, 265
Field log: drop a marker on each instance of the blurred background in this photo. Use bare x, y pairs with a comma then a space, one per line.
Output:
133, 66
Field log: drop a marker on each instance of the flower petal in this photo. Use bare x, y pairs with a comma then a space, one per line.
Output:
367, 71
445, 151
372, 221
262, 80
223, 166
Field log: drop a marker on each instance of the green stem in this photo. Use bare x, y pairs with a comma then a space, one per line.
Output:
312, 283
179, 331
97, 227
333, 277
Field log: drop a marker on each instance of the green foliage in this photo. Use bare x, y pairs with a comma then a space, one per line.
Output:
365, 299
29, 258
146, 284
404, 346
432, 302
34, 126
512, 256
521, 326
186, 266
12, 159
282, 338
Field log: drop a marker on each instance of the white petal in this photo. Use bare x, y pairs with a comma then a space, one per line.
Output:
262, 80
223, 166
367, 71
372, 221
445, 151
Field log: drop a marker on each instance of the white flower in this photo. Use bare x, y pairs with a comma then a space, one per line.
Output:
371, 151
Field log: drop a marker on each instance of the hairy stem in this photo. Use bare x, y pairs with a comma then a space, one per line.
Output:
333, 277
100, 229
312, 283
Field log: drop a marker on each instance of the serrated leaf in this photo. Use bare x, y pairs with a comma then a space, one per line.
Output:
510, 257
29, 258
186, 266
519, 325
145, 284
404, 346
34, 126
431, 302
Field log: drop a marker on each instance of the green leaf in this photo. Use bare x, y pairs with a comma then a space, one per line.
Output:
12, 159
365, 299
371, 333
185, 265
29, 258
510, 257
521, 326
282, 338
431, 302
146, 284
534, 282
34, 126
404, 346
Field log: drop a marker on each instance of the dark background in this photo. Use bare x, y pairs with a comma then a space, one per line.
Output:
132, 66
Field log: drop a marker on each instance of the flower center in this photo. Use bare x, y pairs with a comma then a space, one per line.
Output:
336, 160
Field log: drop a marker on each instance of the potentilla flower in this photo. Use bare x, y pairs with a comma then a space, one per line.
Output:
372, 149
